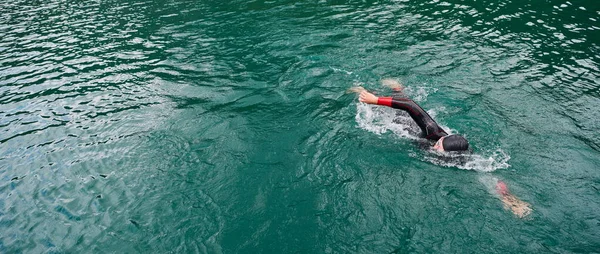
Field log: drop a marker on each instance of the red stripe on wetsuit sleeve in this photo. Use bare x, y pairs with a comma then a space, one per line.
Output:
386, 101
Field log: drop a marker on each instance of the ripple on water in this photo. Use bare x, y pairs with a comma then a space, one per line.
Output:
187, 126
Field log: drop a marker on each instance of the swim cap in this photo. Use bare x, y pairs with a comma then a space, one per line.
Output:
455, 143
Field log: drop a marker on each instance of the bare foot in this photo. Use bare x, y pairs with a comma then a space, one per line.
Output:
520, 208
516, 206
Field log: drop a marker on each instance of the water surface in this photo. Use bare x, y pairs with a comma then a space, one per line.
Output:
224, 127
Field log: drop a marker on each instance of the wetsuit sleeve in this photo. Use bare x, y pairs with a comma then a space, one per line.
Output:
385, 101
430, 128
398, 103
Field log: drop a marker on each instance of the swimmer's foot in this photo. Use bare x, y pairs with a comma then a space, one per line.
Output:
393, 84
522, 210
518, 207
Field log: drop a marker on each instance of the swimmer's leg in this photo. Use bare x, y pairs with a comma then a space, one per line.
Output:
520, 208
499, 189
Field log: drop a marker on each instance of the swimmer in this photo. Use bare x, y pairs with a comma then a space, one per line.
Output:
431, 130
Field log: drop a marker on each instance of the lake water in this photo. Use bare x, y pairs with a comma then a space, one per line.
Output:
225, 127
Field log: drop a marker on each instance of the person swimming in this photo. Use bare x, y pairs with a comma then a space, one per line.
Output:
444, 142
431, 130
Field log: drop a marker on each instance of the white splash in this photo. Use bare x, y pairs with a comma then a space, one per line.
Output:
486, 161
380, 120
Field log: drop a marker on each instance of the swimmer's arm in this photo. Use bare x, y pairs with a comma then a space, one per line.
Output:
370, 98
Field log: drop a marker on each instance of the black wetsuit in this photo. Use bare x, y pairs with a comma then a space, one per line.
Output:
431, 130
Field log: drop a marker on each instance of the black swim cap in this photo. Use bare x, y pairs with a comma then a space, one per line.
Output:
455, 143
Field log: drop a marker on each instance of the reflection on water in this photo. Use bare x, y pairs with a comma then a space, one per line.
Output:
186, 126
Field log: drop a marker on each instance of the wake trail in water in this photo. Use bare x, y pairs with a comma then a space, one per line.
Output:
380, 120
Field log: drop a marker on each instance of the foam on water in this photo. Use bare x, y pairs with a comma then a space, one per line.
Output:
482, 161
419, 93
379, 120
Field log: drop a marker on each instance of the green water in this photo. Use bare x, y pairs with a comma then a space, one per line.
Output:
224, 127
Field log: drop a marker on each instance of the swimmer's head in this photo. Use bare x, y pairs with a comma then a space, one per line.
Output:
451, 143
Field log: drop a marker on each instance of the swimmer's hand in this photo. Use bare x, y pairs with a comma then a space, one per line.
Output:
364, 95
393, 84
367, 97
356, 89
